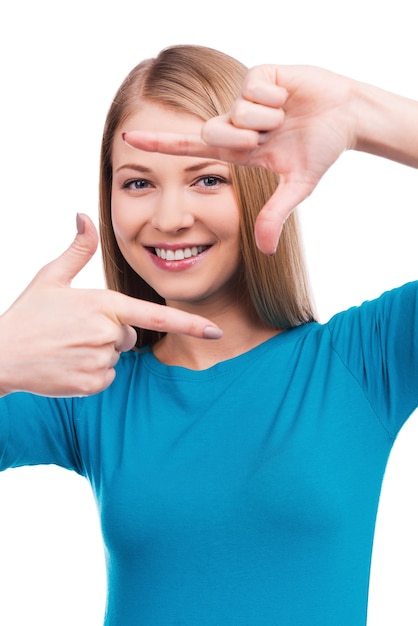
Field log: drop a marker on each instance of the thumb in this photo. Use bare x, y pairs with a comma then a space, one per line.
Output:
63, 269
269, 223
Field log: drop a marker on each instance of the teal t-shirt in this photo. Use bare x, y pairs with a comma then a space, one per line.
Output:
244, 494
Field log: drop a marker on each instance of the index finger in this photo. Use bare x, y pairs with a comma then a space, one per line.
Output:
159, 317
219, 139
170, 143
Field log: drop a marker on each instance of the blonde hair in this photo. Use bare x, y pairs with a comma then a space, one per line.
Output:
205, 82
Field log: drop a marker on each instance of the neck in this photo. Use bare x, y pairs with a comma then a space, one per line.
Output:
242, 331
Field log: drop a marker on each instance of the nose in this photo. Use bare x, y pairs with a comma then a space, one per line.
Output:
171, 213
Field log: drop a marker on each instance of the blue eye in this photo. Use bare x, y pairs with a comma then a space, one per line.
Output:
136, 184
210, 182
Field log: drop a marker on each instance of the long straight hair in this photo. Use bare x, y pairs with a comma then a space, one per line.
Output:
205, 82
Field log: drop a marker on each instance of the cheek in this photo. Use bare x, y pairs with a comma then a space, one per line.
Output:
127, 225
230, 231
124, 222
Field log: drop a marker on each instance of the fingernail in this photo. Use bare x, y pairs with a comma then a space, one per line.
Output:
80, 224
275, 248
212, 332
265, 252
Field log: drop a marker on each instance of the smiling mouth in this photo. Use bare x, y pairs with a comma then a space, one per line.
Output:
180, 254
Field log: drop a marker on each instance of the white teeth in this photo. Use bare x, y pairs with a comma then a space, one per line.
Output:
180, 253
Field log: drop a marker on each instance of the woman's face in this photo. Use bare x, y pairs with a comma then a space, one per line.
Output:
175, 218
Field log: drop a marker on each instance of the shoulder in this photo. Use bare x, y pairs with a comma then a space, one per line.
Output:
394, 310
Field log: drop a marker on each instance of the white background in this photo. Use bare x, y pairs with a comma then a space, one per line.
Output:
61, 64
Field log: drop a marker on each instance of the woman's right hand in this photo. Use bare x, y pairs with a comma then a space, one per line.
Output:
59, 341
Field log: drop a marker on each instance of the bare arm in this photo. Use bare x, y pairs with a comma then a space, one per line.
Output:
387, 125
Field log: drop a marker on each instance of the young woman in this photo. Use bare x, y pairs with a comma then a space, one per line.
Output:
237, 479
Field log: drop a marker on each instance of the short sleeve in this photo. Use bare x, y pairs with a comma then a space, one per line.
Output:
36, 431
378, 343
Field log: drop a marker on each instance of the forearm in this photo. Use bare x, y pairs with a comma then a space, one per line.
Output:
386, 124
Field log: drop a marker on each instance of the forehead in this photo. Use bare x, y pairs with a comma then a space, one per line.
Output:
155, 117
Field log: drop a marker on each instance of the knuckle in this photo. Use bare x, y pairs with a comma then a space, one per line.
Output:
194, 329
213, 129
184, 144
104, 336
240, 112
100, 359
102, 331
158, 321
95, 383
250, 88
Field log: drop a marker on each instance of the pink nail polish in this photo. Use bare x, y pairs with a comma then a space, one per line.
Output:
212, 332
80, 224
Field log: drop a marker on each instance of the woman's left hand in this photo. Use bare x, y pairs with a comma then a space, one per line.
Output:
293, 120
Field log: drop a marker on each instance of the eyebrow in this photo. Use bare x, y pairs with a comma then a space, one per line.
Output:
192, 168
